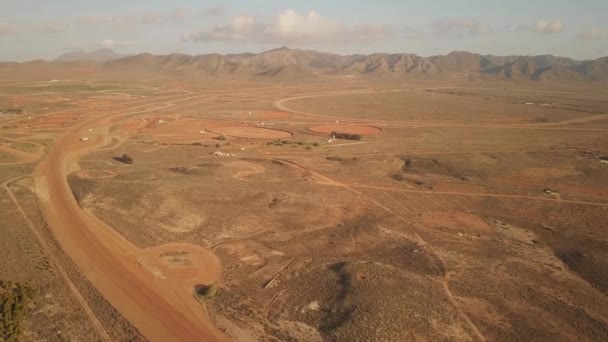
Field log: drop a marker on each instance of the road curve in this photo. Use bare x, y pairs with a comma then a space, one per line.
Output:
160, 312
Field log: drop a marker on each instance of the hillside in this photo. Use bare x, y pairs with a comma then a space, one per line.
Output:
101, 55
288, 63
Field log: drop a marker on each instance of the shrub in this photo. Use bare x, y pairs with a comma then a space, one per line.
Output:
206, 291
346, 136
13, 306
398, 177
125, 158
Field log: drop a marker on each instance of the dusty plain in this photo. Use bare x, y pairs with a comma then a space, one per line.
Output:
466, 211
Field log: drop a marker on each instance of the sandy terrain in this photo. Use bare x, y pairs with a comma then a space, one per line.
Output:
463, 213
251, 132
350, 129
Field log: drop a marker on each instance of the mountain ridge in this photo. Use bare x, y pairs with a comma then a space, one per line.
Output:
286, 63
99, 55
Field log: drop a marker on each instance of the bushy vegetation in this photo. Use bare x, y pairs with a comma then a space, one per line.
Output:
14, 299
125, 158
345, 136
81, 187
346, 161
279, 142
206, 291
398, 177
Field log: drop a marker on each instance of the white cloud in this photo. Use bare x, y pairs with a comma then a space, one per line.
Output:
291, 27
164, 17
543, 26
91, 20
151, 18
54, 27
459, 27
594, 33
241, 27
179, 14
6, 28
111, 43
213, 11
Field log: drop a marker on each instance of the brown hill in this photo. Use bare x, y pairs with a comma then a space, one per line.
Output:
101, 55
294, 64
288, 63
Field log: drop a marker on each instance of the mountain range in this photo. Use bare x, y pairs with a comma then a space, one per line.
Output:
289, 64
101, 55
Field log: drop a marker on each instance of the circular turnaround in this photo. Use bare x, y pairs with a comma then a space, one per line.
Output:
251, 132
93, 174
350, 129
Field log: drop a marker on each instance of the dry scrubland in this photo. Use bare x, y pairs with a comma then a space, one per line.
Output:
473, 211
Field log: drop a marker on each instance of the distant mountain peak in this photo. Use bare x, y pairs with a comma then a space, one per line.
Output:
280, 49
99, 55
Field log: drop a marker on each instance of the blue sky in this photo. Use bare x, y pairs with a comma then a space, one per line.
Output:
31, 29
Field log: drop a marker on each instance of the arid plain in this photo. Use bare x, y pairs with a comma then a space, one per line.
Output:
462, 210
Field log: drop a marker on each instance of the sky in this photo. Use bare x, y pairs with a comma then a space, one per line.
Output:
33, 29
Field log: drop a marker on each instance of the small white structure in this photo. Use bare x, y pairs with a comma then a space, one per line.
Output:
90, 130
222, 154
329, 140
337, 121
84, 138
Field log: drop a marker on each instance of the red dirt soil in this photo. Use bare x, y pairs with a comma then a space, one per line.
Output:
272, 115
172, 131
350, 129
251, 132
155, 306
186, 265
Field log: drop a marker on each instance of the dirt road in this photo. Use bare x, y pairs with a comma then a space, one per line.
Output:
161, 310
562, 125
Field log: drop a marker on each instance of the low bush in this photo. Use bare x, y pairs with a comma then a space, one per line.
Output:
14, 299
345, 136
125, 158
206, 291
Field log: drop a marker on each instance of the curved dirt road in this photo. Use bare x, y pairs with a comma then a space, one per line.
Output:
561, 125
161, 310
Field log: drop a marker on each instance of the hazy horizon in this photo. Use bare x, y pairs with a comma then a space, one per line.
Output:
516, 27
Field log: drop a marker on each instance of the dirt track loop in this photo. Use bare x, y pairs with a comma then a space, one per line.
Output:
160, 308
